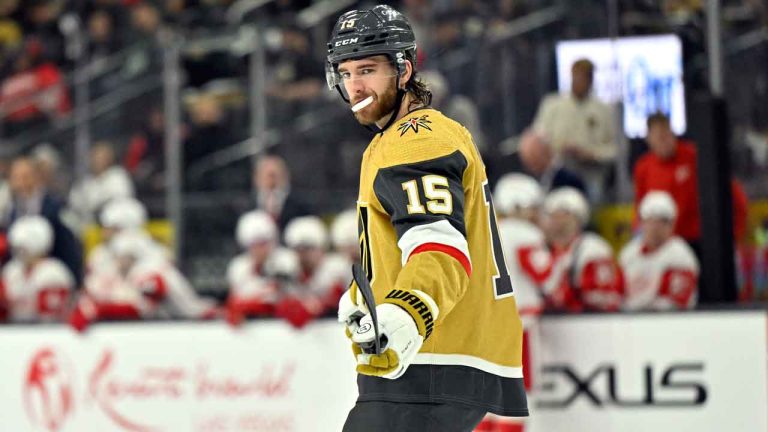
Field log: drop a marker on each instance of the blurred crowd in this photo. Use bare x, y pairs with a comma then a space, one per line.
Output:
293, 257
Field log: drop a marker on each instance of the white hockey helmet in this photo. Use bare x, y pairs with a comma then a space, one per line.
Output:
123, 213
131, 244
344, 229
255, 226
516, 191
658, 204
283, 262
570, 200
31, 236
306, 231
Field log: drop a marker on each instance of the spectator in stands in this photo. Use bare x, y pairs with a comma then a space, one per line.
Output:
107, 181
458, 107
660, 269
297, 74
583, 274
31, 198
10, 30
208, 133
102, 39
539, 160
48, 161
33, 93
580, 128
35, 287
273, 194
42, 24
252, 292
145, 158
670, 166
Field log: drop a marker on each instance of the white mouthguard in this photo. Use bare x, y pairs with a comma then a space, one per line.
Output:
362, 104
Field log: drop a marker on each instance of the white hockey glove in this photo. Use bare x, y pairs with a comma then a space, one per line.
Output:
406, 319
350, 312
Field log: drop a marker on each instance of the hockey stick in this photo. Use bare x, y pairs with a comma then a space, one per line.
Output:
364, 288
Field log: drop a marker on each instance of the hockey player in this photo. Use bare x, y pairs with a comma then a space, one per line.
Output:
583, 275
451, 336
150, 285
35, 286
660, 269
518, 199
118, 215
344, 236
252, 292
323, 277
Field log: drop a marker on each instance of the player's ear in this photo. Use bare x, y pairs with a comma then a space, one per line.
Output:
406, 75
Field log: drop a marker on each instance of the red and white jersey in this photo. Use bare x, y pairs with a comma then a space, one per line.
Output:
100, 260
37, 293
662, 279
249, 283
329, 281
110, 287
584, 276
167, 293
528, 260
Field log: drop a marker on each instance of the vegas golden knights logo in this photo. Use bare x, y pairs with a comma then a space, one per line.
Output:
365, 248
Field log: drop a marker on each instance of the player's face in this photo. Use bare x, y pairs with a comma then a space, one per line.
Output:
351, 251
108, 232
125, 263
259, 251
560, 226
309, 257
581, 82
372, 76
656, 231
661, 139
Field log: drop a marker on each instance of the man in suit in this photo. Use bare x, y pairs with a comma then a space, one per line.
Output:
272, 191
538, 159
29, 197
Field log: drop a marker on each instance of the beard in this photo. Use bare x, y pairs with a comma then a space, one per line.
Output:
379, 108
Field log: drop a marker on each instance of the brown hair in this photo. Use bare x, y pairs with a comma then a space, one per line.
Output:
657, 117
417, 87
584, 64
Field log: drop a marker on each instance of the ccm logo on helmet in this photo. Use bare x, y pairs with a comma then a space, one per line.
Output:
346, 42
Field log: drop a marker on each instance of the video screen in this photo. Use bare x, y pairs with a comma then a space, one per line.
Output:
644, 73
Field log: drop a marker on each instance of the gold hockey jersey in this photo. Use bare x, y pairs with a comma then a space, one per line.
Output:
427, 223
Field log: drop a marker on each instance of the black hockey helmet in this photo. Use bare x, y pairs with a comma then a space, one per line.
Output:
365, 33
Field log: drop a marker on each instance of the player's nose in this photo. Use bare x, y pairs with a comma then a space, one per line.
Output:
356, 88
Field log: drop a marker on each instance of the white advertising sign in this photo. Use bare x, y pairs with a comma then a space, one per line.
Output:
176, 377
644, 73
657, 372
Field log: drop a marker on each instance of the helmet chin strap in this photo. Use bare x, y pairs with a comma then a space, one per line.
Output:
398, 103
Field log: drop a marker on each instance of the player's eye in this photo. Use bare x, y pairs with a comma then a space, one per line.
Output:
345, 75
367, 71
